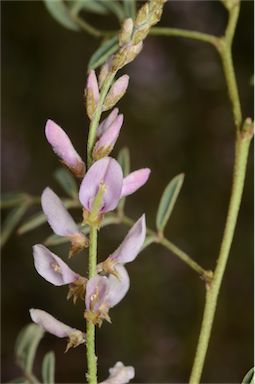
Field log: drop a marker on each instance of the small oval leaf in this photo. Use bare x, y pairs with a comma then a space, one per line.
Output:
26, 346
33, 222
48, 368
92, 6
60, 12
66, 181
12, 221
249, 377
130, 8
168, 200
103, 52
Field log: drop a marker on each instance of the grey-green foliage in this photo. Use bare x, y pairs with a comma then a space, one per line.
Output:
249, 377
67, 182
9, 200
26, 346
33, 222
48, 368
12, 220
61, 13
100, 56
168, 200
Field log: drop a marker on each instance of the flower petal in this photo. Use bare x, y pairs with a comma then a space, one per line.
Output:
105, 124
132, 244
50, 324
58, 217
106, 142
105, 171
134, 181
96, 293
120, 374
63, 147
92, 85
51, 267
118, 287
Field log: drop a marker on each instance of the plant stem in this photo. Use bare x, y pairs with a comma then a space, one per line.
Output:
95, 121
194, 35
90, 335
243, 139
242, 150
206, 275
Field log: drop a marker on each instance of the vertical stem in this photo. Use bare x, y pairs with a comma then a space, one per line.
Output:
242, 150
95, 121
90, 336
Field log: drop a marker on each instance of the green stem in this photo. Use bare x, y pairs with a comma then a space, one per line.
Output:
206, 275
242, 150
90, 334
194, 35
95, 121
243, 139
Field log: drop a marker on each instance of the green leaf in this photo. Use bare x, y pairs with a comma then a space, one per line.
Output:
92, 6
12, 221
33, 222
26, 346
9, 200
249, 377
124, 161
61, 13
130, 8
66, 181
48, 368
148, 241
19, 380
168, 200
103, 52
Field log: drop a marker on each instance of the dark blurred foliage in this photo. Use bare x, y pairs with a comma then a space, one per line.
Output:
177, 119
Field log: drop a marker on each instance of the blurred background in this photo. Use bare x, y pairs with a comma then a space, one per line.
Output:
177, 119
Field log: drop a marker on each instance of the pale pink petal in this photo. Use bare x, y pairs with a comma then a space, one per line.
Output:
117, 287
107, 122
132, 244
134, 181
109, 137
107, 172
119, 87
96, 293
51, 267
50, 324
92, 85
63, 147
58, 217
119, 374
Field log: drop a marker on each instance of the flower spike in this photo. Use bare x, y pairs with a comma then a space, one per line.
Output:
57, 328
61, 221
63, 147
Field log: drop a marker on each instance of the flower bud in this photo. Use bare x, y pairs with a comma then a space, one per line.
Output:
140, 34
116, 92
106, 123
92, 94
125, 55
142, 15
126, 31
104, 72
63, 147
105, 144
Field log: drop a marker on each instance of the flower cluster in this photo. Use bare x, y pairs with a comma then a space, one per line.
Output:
102, 186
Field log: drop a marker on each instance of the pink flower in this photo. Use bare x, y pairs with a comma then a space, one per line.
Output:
52, 268
63, 147
107, 174
103, 293
61, 221
92, 94
106, 123
117, 90
128, 249
106, 142
57, 328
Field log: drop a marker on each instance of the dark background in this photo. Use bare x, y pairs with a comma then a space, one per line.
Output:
177, 119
